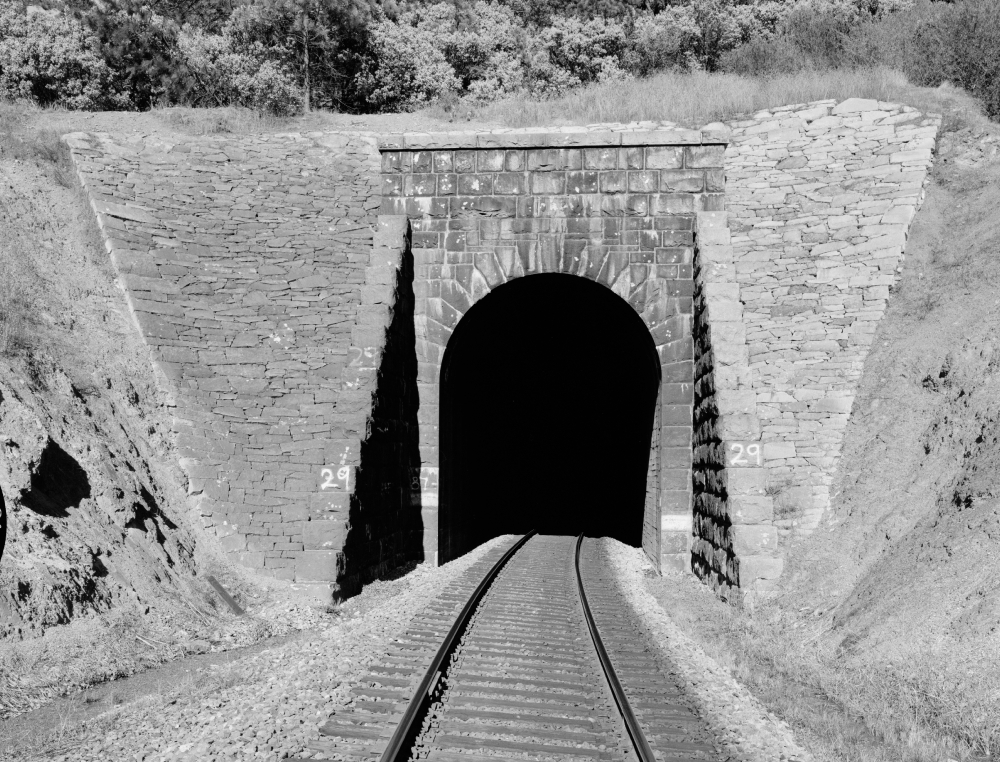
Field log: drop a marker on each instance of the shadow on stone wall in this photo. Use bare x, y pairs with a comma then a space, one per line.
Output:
3, 526
385, 528
711, 557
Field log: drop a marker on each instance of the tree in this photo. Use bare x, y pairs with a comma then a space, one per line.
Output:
141, 48
318, 40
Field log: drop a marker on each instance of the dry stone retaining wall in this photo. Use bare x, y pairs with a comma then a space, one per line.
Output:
819, 200
264, 282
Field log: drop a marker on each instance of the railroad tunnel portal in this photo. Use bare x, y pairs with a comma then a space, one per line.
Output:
613, 209
274, 338
548, 394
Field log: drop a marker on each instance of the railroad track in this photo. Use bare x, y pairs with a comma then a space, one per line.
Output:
528, 656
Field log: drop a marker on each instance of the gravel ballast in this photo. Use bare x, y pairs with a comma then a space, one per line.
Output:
268, 706
743, 727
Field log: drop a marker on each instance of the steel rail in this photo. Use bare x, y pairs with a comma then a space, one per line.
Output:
642, 748
399, 744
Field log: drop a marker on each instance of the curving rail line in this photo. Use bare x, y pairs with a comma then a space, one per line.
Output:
398, 749
523, 673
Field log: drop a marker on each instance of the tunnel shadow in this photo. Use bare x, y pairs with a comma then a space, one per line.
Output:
385, 536
548, 390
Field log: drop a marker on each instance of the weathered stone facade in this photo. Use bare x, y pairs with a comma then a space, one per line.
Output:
280, 311
615, 207
261, 278
819, 200
298, 293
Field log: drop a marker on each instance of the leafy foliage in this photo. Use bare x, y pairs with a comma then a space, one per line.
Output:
573, 52
664, 41
959, 43
285, 56
405, 67
317, 41
247, 77
53, 60
141, 49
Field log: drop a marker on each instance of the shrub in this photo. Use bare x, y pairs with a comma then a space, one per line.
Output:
405, 68
811, 35
930, 42
502, 74
436, 51
664, 41
53, 60
486, 49
316, 42
247, 78
572, 52
719, 31
960, 43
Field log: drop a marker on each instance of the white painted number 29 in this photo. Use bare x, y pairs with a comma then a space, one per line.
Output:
335, 481
741, 454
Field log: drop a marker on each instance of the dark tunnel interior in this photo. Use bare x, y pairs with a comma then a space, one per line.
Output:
548, 389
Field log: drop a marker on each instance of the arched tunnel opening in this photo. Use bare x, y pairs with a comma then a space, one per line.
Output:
548, 392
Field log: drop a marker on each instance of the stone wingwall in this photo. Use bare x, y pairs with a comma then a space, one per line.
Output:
819, 200
617, 207
264, 283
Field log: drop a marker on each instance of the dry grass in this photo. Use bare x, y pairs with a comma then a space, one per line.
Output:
19, 291
21, 138
941, 702
91, 652
124, 641
21, 286
217, 121
695, 99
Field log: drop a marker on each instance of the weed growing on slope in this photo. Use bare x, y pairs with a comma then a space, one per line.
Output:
18, 283
937, 703
21, 139
693, 99
230, 120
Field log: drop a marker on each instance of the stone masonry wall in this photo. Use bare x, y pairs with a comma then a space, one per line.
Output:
819, 200
281, 299
733, 514
652, 523
260, 278
616, 206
